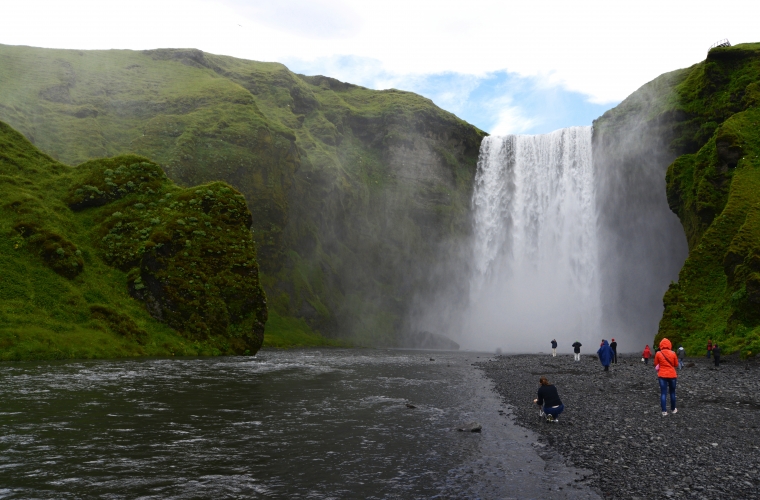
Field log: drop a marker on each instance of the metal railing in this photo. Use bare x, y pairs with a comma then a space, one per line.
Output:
720, 43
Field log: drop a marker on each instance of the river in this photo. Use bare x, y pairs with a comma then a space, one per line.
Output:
312, 423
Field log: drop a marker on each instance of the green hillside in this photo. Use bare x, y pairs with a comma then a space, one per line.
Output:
112, 259
715, 191
356, 194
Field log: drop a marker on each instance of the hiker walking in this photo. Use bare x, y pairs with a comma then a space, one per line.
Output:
665, 362
554, 348
681, 352
548, 400
709, 348
577, 350
646, 355
613, 346
716, 354
605, 355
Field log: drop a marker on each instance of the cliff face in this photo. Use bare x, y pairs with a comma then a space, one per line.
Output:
78, 241
353, 192
715, 190
703, 122
642, 247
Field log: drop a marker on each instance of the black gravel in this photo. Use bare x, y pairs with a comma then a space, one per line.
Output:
612, 424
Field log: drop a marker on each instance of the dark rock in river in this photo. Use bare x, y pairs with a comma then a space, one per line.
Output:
471, 427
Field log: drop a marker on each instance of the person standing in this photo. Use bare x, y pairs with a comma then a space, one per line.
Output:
681, 354
709, 348
716, 354
665, 362
646, 354
548, 400
577, 350
613, 346
605, 355
554, 348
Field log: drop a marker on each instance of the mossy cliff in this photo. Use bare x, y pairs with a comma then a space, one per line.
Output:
111, 258
706, 118
353, 191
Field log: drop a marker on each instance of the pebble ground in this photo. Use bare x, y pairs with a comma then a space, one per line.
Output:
613, 426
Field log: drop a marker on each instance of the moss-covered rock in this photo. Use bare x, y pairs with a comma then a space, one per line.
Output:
80, 241
57, 252
188, 253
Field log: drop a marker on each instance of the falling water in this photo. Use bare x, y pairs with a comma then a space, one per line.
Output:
535, 252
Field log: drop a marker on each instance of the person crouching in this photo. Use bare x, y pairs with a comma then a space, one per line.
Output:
548, 400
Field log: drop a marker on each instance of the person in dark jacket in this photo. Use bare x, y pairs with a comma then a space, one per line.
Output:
554, 348
548, 400
681, 353
613, 346
716, 354
605, 355
577, 350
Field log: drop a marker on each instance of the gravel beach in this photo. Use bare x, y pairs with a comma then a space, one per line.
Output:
612, 423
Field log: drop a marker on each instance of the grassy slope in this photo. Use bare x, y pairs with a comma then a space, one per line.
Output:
350, 189
715, 190
62, 295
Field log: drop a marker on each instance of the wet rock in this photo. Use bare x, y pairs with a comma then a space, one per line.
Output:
410, 406
471, 427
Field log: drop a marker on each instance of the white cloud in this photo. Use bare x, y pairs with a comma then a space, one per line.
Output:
602, 49
512, 120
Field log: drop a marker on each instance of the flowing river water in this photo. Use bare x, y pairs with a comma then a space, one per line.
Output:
314, 423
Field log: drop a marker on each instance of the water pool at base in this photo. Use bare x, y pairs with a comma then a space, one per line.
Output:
316, 423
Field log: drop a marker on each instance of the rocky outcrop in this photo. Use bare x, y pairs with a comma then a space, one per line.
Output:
188, 253
80, 240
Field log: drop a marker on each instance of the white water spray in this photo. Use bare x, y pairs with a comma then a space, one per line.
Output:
535, 252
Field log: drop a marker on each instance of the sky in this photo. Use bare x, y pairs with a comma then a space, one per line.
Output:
522, 67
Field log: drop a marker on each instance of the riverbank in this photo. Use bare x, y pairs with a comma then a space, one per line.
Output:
38, 343
612, 423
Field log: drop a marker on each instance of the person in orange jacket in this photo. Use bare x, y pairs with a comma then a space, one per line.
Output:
646, 354
665, 362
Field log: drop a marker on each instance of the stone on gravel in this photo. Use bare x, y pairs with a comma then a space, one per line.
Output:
471, 427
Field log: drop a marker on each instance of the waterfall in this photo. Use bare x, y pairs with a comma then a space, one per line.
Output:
535, 250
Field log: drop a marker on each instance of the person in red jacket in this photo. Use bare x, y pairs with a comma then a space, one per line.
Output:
709, 348
665, 362
646, 354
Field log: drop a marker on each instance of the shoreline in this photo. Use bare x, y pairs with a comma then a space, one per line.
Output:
612, 423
